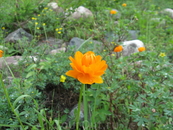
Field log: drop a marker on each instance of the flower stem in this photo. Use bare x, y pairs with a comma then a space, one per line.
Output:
85, 108
79, 106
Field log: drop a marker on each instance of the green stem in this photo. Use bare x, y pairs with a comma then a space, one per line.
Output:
79, 106
85, 108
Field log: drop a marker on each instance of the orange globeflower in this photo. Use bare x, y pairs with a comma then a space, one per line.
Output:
124, 4
1, 53
113, 12
119, 48
87, 68
140, 49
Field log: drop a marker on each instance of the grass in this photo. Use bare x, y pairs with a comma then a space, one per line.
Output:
133, 96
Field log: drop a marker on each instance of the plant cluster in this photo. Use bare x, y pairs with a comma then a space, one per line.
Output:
129, 93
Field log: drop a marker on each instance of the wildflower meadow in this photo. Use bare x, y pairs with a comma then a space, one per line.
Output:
86, 65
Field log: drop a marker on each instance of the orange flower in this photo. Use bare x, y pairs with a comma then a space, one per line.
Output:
140, 49
1, 53
119, 48
113, 12
124, 4
87, 68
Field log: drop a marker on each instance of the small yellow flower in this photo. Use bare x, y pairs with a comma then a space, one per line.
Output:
56, 29
113, 12
3, 28
60, 28
36, 23
112, 54
124, 4
162, 54
59, 32
38, 28
33, 18
45, 8
38, 15
43, 24
62, 78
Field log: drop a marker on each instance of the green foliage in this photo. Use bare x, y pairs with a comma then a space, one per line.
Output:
137, 90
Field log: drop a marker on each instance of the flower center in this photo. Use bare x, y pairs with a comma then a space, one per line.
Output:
88, 58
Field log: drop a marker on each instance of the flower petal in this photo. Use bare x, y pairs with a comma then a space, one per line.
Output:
72, 73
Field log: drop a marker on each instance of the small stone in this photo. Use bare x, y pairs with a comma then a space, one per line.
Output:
168, 12
55, 7
59, 50
80, 12
75, 43
3, 48
133, 34
74, 110
130, 47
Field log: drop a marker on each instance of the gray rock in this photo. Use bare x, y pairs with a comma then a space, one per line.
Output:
3, 48
11, 62
111, 37
130, 47
59, 50
72, 114
160, 21
80, 12
133, 34
55, 7
168, 12
4, 61
50, 44
76, 43
18, 35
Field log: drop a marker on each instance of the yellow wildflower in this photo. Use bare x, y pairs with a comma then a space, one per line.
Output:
60, 28
3, 28
43, 24
38, 28
36, 23
62, 78
162, 54
56, 29
59, 32
124, 4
